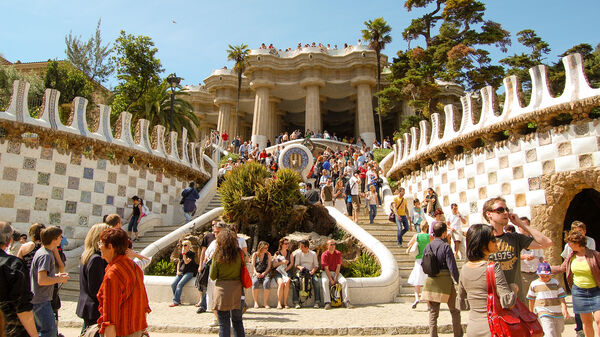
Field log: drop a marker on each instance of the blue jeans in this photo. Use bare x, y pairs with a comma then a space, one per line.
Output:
372, 213
402, 223
228, 318
417, 226
133, 224
45, 322
188, 216
178, 284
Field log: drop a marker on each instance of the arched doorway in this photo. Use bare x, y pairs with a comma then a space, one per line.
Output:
584, 207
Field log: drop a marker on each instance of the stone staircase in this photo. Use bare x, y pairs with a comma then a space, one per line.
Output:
386, 232
70, 290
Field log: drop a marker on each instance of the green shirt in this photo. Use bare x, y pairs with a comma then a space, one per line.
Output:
422, 241
226, 271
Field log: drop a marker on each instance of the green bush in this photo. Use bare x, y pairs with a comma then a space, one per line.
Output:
393, 184
595, 112
162, 268
365, 266
233, 156
379, 154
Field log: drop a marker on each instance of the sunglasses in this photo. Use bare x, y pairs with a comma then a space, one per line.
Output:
501, 210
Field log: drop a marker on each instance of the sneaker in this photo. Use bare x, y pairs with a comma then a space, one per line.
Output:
349, 305
317, 306
214, 323
200, 310
327, 306
297, 306
414, 305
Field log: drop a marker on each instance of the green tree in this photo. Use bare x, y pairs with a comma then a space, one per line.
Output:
239, 55
71, 82
8, 74
91, 57
377, 34
519, 64
137, 67
591, 64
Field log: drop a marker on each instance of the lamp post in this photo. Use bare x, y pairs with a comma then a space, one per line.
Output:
173, 82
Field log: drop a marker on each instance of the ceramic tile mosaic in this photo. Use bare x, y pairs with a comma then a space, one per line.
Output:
9, 173
13, 147
99, 186
41, 204
163, 209
57, 193
26, 189
83, 220
165, 188
159, 177
586, 160
150, 185
141, 193
534, 183
132, 182
157, 197
55, 218
86, 196
60, 168
121, 212
101, 164
97, 210
75, 159
7, 200
73, 183
142, 174
46, 153
71, 207
122, 190
123, 169
149, 205
43, 178
29, 163
112, 178
110, 199
23, 215
88, 173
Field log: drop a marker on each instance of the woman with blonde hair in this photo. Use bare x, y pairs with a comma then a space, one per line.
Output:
92, 273
226, 271
261, 263
186, 270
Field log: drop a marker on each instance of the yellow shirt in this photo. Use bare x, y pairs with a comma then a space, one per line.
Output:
582, 274
400, 206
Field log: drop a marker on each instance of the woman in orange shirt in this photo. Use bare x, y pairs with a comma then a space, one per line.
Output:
123, 302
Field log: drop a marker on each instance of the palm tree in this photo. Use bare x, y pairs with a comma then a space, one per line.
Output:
238, 54
378, 35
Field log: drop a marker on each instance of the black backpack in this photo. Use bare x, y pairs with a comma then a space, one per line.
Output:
348, 188
430, 263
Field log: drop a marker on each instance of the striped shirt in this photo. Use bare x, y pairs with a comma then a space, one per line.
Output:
122, 298
547, 297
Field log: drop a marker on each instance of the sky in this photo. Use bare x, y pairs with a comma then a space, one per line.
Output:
192, 36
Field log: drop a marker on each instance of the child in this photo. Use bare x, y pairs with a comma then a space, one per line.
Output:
547, 298
43, 279
417, 216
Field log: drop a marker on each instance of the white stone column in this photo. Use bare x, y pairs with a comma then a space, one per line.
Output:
224, 119
272, 125
364, 108
261, 112
312, 117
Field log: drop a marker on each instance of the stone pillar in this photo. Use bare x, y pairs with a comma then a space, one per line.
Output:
224, 121
272, 122
364, 108
260, 119
312, 117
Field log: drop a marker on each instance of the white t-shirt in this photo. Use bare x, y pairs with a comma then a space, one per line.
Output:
213, 246
354, 185
455, 222
308, 260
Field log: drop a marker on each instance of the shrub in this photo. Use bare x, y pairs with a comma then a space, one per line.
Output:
595, 112
379, 154
162, 268
365, 266
233, 156
242, 182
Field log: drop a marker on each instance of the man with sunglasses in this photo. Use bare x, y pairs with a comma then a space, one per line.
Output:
510, 245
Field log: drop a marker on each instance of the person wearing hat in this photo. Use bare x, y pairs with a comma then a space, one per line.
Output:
547, 299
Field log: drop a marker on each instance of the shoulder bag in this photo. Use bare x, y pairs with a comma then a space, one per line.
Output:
413, 251
244, 274
515, 322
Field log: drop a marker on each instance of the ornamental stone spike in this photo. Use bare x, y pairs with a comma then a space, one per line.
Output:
174, 155
576, 84
79, 124
142, 136
49, 110
466, 123
414, 135
435, 128
125, 139
488, 108
159, 133
449, 130
18, 102
406, 150
424, 136
184, 149
512, 105
540, 93
104, 131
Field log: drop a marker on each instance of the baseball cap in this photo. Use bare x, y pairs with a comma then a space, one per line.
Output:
544, 269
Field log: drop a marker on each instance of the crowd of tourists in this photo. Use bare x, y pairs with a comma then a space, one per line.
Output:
320, 45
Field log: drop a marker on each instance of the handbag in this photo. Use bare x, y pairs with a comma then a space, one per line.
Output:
392, 217
203, 276
413, 250
245, 275
515, 322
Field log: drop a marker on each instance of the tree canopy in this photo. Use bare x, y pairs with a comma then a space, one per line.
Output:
91, 56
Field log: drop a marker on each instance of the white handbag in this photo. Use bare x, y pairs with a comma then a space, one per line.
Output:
413, 250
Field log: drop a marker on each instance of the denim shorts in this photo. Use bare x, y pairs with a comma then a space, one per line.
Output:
585, 300
263, 283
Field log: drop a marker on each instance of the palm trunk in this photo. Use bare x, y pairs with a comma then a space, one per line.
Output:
378, 53
237, 105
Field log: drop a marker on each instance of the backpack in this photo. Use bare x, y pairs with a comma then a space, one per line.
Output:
348, 188
303, 283
335, 292
430, 263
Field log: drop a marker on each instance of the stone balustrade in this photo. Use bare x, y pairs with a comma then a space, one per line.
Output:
305, 50
432, 142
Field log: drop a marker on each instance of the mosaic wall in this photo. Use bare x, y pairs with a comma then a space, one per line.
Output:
41, 185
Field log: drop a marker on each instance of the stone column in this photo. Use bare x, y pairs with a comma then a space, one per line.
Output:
312, 118
364, 108
272, 122
260, 119
224, 120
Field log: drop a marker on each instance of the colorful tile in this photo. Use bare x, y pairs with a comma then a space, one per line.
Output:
99, 186
157, 197
534, 183
163, 209
71, 207
110, 199
101, 164
148, 204
13, 147
141, 193
122, 190
159, 177
41, 204
88, 173
142, 174
26, 189
9, 173
29, 163
60, 168
73, 183
57, 193
86, 196
23, 215
112, 178
46, 153
83, 220
7, 200
55, 219
97, 210
121, 212
75, 159
165, 188
123, 169
43, 178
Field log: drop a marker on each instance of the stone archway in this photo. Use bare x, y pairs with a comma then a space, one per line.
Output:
582, 208
561, 188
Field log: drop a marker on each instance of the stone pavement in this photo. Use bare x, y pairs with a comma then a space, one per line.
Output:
380, 319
